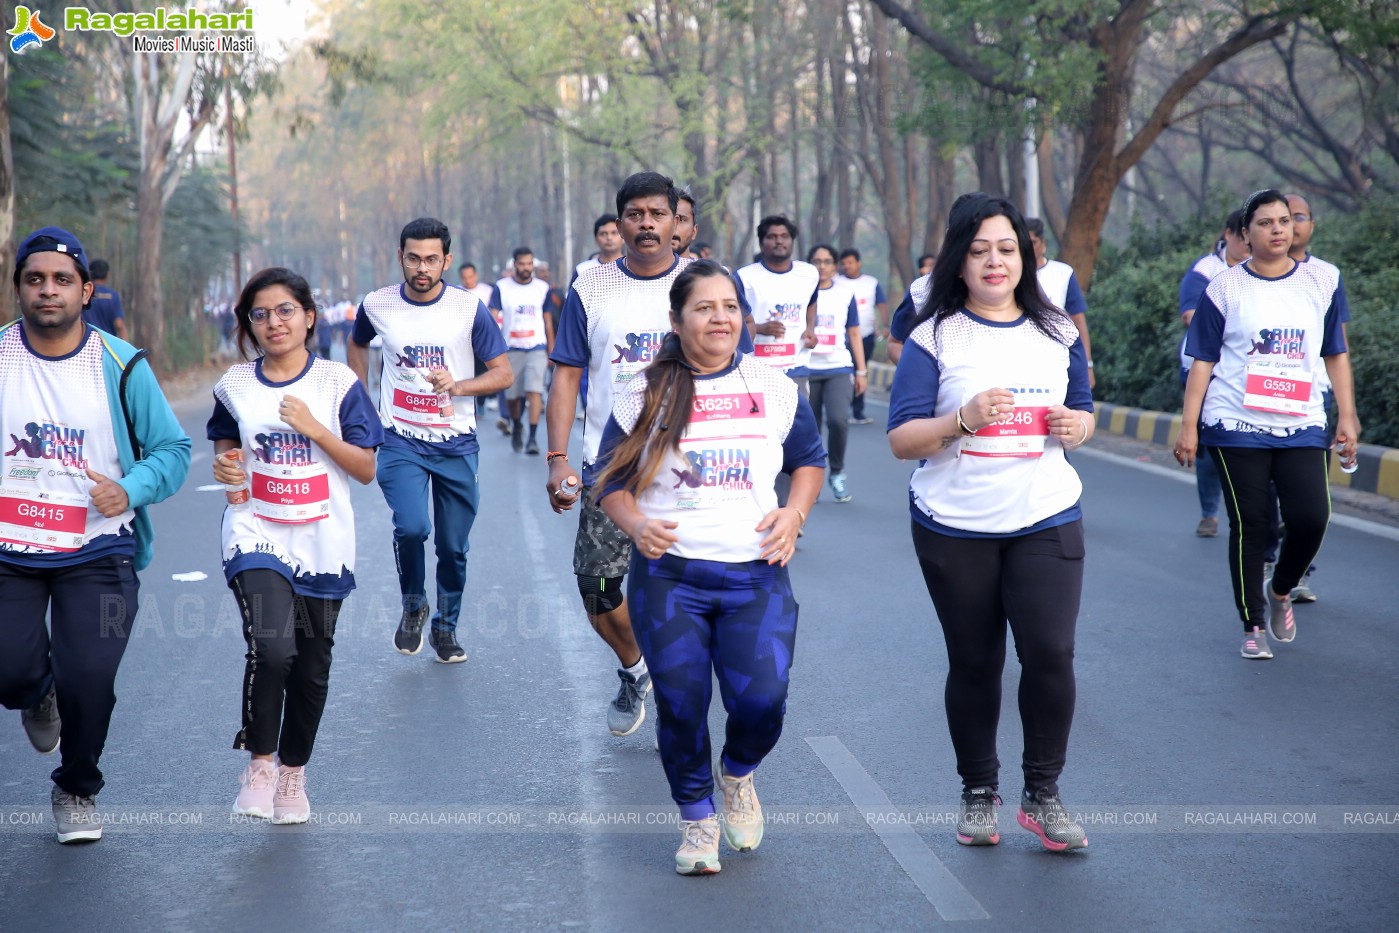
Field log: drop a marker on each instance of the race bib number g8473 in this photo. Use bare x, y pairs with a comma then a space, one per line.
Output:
419, 408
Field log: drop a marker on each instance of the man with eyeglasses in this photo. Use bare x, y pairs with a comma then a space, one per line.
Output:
89, 443
1303, 226
432, 336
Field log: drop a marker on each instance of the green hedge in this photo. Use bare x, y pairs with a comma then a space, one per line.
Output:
1137, 332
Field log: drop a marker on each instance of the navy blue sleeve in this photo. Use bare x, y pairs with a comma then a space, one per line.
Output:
1333, 335
363, 331
571, 334
745, 341
1205, 338
612, 435
815, 295
901, 324
802, 448
119, 312
1074, 302
359, 422
1079, 396
1342, 302
1192, 289
852, 314
496, 303
573, 278
879, 297
914, 394
222, 425
486, 341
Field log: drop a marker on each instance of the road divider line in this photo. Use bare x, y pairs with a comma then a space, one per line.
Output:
949, 898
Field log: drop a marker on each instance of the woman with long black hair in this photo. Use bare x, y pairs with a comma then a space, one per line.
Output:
689, 459
990, 392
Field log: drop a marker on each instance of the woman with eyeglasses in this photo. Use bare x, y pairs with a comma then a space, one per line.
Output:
290, 431
688, 462
837, 367
1263, 335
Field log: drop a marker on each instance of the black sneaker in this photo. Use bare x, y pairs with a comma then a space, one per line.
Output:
532, 447
42, 725
409, 637
977, 824
1044, 815
517, 436
445, 644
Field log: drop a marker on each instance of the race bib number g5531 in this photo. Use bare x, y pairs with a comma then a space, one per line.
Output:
1284, 390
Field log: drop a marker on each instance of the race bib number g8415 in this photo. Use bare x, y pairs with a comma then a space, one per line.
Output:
49, 521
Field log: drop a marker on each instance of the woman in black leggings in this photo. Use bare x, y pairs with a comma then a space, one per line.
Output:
991, 390
1260, 336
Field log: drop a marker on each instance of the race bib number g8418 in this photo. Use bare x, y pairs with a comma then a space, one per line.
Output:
291, 494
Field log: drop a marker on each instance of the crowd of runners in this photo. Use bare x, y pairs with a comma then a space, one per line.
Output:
715, 407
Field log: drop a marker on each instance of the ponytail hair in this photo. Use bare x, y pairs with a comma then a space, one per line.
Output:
669, 399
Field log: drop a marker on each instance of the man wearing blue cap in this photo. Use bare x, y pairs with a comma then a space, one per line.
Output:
87, 442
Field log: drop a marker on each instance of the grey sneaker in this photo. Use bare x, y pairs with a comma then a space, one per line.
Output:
743, 815
1255, 646
409, 637
1044, 815
77, 817
1281, 625
699, 847
627, 711
1302, 593
977, 824
1208, 528
840, 487
42, 725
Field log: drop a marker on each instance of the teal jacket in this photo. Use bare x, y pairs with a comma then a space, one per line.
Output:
163, 462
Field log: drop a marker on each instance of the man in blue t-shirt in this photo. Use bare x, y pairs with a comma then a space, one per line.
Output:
104, 311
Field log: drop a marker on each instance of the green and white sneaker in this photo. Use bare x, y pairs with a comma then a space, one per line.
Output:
699, 847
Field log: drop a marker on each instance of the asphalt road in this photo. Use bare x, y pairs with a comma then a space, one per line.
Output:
1217, 793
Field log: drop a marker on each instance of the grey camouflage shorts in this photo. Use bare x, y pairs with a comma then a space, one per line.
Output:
601, 548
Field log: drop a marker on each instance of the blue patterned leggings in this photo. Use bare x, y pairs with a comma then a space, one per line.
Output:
739, 621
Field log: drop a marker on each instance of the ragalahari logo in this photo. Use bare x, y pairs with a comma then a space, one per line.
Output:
29, 31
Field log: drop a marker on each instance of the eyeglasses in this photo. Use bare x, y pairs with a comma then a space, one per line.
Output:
284, 312
422, 262
1301, 218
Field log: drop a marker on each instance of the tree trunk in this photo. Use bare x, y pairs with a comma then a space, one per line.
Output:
1049, 186
146, 310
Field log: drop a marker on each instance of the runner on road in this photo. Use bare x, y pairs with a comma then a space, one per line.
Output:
292, 429
688, 464
89, 443
837, 364
432, 336
527, 323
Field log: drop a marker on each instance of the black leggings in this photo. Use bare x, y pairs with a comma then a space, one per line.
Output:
1303, 496
1034, 581
289, 641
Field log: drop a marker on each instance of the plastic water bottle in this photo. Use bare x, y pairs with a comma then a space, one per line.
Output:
238, 495
569, 487
1350, 464
445, 408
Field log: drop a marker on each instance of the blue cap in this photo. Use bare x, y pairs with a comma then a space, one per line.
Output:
52, 240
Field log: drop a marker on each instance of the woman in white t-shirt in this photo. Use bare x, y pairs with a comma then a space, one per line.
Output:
991, 390
688, 463
1261, 338
837, 367
290, 431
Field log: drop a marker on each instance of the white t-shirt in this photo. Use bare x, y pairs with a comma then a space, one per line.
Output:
56, 424
746, 423
781, 296
299, 521
522, 307
869, 295
836, 311
612, 325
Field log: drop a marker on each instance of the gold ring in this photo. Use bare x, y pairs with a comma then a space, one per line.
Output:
995, 409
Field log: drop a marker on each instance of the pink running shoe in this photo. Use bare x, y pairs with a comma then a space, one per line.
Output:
259, 785
291, 804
